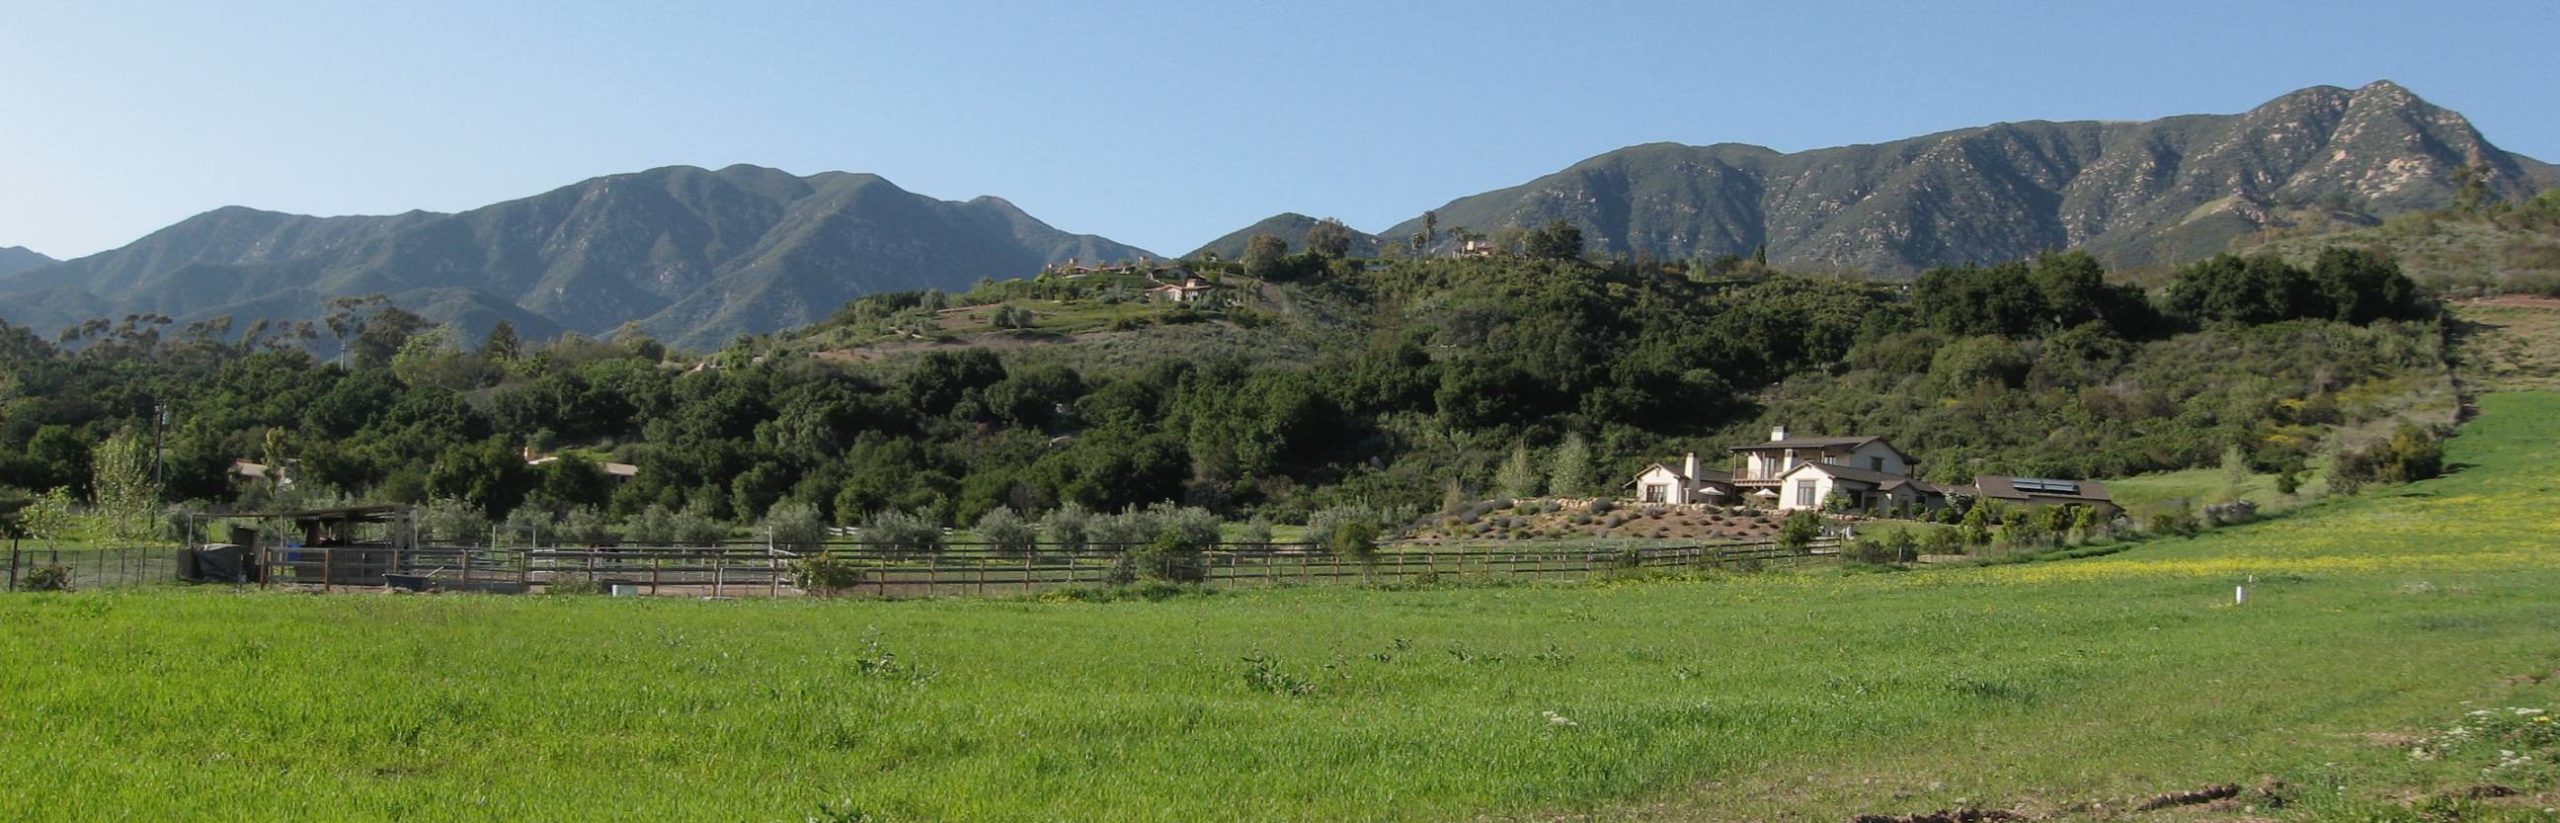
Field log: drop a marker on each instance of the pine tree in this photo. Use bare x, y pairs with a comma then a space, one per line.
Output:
502, 344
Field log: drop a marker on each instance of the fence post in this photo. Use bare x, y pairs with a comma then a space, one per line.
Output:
13, 565
653, 574
466, 568
716, 566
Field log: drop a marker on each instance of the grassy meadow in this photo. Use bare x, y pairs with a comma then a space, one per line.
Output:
2065, 688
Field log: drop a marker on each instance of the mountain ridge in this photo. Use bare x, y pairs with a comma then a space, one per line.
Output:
1290, 227
2138, 193
15, 259
698, 256
692, 255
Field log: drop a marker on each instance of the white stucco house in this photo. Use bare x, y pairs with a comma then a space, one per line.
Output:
1691, 483
1810, 485
1795, 473
1790, 472
1870, 474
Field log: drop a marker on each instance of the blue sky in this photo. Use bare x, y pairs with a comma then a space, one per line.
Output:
1157, 123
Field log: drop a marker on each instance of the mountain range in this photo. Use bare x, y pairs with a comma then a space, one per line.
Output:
696, 256
2134, 193
692, 256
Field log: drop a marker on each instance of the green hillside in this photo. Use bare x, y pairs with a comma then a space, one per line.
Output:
2502, 247
1290, 227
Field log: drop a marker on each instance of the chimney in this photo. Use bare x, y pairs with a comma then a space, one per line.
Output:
1778, 433
1689, 467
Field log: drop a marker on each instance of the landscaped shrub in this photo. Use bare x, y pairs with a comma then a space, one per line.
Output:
696, 527
530, 526
585, 526
1356, 539
2025, 532
795, 526
1897, 546
1006, 531
2413, 453
451, 522
1124, 531
1322, 525
1170, 559
1067, 526
1191, 526
1977, 526
651, 526
1602, 506
899, 534
1801, 529
1256, 532
2178, 522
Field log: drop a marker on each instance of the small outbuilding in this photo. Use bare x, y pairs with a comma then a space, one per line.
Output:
2037, 491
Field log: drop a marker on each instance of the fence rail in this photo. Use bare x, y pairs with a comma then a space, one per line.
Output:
760, 571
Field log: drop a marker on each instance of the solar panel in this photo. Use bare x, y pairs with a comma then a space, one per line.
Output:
2040, 485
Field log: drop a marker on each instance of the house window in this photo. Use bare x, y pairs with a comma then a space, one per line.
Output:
1804, 495
1875, 464
1657, 493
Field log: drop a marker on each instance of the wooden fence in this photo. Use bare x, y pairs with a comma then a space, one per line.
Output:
759, 571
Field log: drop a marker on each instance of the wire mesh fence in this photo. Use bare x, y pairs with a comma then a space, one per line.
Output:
104, 568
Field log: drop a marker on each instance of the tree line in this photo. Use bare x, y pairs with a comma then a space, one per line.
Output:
1434, 379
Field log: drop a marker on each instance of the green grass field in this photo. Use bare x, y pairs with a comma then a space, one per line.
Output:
2200, 487
2038, 687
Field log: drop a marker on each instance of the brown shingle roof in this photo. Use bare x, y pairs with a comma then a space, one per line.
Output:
1882, 480
1812, 443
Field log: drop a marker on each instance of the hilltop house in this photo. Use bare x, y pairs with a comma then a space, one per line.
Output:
1190, 290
